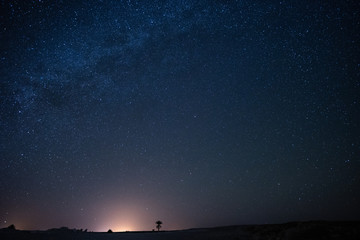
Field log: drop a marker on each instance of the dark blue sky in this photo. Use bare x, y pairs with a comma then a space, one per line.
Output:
200, 113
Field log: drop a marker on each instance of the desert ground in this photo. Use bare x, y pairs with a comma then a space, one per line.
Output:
288, 231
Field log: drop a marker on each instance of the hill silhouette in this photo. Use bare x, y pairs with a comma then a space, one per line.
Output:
330, 230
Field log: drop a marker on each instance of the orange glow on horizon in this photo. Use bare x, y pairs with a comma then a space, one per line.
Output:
122, 218
117, 225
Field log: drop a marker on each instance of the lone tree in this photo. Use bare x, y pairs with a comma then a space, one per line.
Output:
158, 225
11, 227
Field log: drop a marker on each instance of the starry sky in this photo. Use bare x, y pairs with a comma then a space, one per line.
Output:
115, 114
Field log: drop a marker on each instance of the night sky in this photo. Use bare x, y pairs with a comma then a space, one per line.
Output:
115, 114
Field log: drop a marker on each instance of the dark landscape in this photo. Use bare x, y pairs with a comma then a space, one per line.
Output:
313, 230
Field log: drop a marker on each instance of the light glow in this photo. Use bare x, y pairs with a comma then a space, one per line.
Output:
120, 219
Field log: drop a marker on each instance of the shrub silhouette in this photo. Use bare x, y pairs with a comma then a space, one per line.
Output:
11, 227
158, 225
109, 231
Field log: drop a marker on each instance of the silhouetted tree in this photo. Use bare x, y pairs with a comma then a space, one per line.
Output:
11, 227
158, 225
109, 231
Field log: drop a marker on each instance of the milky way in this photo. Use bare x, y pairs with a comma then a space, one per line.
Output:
115, 114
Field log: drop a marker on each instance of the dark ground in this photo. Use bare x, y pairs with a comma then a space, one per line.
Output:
289, 231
